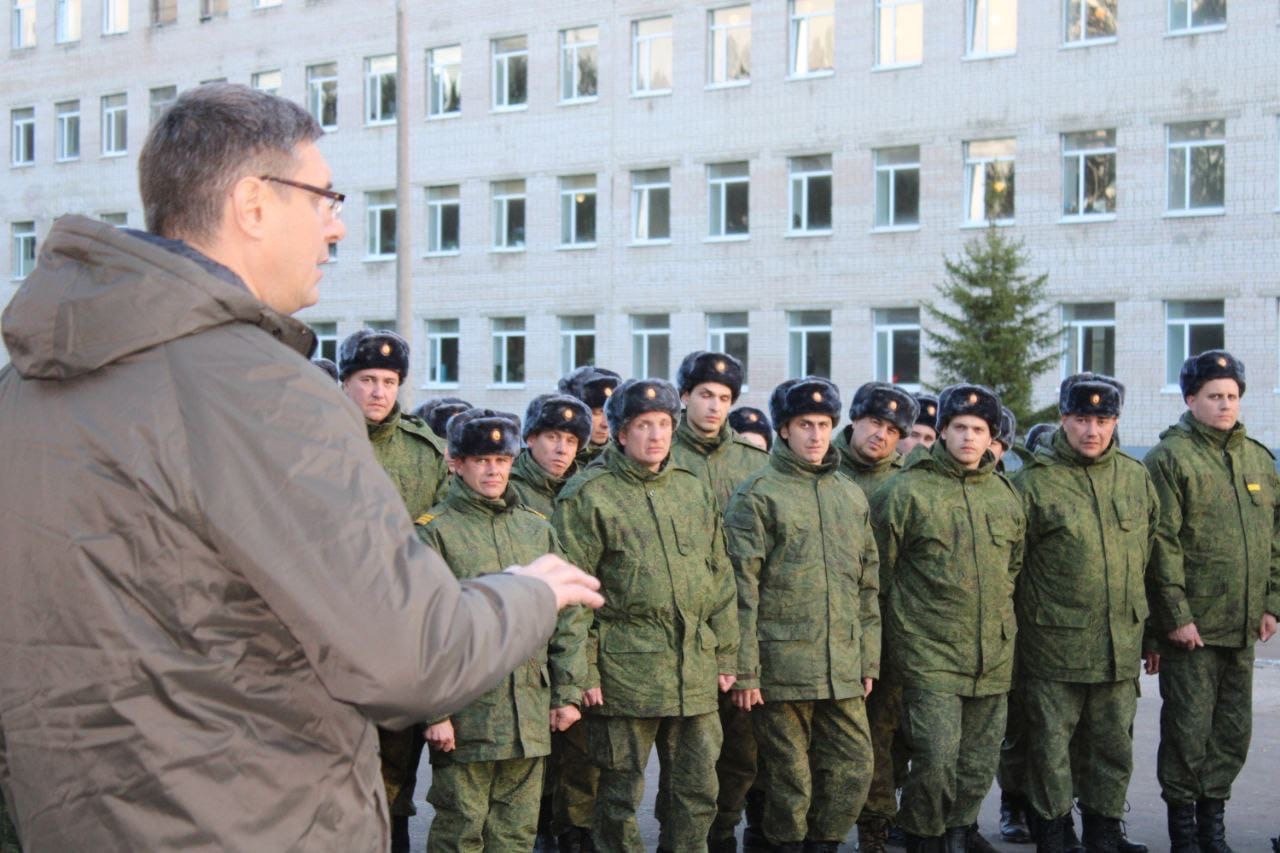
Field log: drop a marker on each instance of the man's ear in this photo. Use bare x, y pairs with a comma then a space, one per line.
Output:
248, 206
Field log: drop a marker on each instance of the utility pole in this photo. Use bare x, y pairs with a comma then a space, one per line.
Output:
404, 231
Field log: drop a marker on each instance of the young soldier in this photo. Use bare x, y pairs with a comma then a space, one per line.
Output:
371, 366
487, 759
925, 430
752, 425
709, 384
593, 386
667, 640
806, 566
1081, 604
1214, 582
950, 533
437, 411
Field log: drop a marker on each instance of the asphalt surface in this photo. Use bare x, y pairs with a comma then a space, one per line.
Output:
1253, 814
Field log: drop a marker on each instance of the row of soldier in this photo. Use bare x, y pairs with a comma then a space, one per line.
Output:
807, 621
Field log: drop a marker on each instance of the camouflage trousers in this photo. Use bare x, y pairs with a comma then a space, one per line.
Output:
1206, 721
687, 748
401, 751
884, 714
8, 833
1011, 775
954, 744
1094, 767
572, 779
484, 805
815, 767
735, 768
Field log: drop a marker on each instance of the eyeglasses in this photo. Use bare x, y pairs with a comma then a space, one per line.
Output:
334, 199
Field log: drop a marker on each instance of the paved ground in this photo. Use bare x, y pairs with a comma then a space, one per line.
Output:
1253, 815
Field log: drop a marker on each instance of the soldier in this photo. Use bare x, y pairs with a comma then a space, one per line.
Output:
807, 567
1214, 584
372, 364
667, 642
709, 383
437, 411
327, 366
1002, 441
924, 431
1081, 603
752, 425
487, 759
593, 386
950, 534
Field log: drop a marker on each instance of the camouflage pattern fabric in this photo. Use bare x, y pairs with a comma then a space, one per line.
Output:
413, 457
574, 778
8, 833
484, 805
537, 488
721, 461
884, 716
736, 768
1011, 773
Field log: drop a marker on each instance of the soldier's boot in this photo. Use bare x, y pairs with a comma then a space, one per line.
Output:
873, 835
926, 844
753, 840
1125, 845
956, 840
1182, 828
1051, 835
1013, 819
897, 836
399, 834
821, 846
576, 839
976, 842
1101, 834
722, 845
1211, 830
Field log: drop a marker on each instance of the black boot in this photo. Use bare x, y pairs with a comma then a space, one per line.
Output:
790, 847
1127, 846
926, 844
575, 839
956, 840
722, 845
753, 840
873, 835
1101, 834
1182, 828
1013, 819
821, 846
1211, 829
1051, 835
399, 834
975, 842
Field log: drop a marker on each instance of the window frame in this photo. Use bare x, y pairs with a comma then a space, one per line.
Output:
322, 88
164, 13
24, 260
375, 83
718, 199
971, 14
1189, 27
796, 22
1084, 39
436, 89
1074, 330
435, 219
115, 125
799, 179
972, 163
891, 170
326, 332
1081, 155
895, 6
569, 210
641, 201
642, 337
501, 209
68, 21
1171, 369
642, 56
718, 36
115, 17
890, 330
23, 24
569, 336
63, 121
503, 340
445, 329
572, 80
721, 324
156, 107
799, 332
1188, 145
377, 203
22, 136
503, 58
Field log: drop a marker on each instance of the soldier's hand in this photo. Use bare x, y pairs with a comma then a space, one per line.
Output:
593, 697
564, 717
1267, 629
1187, 637
726, 681
440, 736
570, 584
867, 685
1151, 662
744, 700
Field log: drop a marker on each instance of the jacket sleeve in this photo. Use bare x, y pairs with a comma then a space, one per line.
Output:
724, 614
574, 524
748, 544
284, 487
886, 524
1166, 575
1273, 593
566, 657
869, 592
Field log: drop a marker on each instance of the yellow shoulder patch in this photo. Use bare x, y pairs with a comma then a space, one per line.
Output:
535, 512
1254, 487
425, 518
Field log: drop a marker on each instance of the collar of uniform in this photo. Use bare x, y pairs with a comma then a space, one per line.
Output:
949, 465
620, 463
784, 459
704, 444
1062, 450
843, 442
462, 497
1228, 439
381, 432
527, 470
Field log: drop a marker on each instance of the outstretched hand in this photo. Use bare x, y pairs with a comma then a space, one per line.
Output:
570, 584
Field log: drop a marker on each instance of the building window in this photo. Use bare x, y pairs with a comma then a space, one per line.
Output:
442, 353
444, 220
444, 83
991, 27
508, 215
1089, 173
380, 325
988, 178
267, 81
115, 124
66, 21
164, 12
115, 16
119, 220
162, 97
381, 224
650, 346
1188, 15
510, 72
1197, 165
578, 210
729, 48
322, 94
577, 342
67, 130
728, 199
211, 8
728, 332
508, 350
897, 187
579, 64
23, 146
651, 205
810, 201
813, 37
1089, 20
899, 32
1190, 329
266, 4
380, 89
897, 333
24, 248
1090, 332
651, 56
326, 340
809, 343
24, 23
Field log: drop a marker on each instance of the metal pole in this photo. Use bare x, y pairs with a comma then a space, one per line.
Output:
404, 231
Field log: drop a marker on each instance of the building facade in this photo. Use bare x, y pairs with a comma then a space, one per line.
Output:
622, 182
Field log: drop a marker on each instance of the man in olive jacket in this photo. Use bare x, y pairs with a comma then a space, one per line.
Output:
1082, 606
806, 565
950, 532
667, 642
1214, 582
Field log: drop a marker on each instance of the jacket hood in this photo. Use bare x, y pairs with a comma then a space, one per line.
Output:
936, 458
100, 294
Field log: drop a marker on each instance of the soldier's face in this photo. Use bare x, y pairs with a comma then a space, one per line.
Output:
374, 391
874, 439
647, 438
808, 436
920, 434
706, 406
553, 450
966, 438
599, 427
486, 475
1088, 435
754, 438
1216, 404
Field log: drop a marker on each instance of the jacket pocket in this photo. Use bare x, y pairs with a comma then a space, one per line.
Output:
1130, 515
1258, 487
685, 534
1061, 617
634, 639
1201, 587
783, 631
1003, 530
707, 638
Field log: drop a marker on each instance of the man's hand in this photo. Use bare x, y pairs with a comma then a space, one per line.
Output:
564, 717
1267, 629
726, 681
867, 685
1187, 637
440, 736
744, 700
570, 584
593, 697
1151, 662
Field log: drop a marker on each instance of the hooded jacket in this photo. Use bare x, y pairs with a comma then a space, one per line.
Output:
212, 589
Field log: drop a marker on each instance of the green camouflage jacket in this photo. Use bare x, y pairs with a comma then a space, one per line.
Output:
413, 456
806, 563
477, 536
950, 550
668, 625
868, 477
588, 453
1216, 559
537, 488
1081, 597
722, 462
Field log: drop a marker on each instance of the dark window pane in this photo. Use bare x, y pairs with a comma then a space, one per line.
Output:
906, 199
819, 209
450, 216
906, 356
818, 357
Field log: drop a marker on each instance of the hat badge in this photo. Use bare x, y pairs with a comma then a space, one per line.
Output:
817, 396
973, 398
568, 414
386, 349
608, 392
932, 410
753, 417
893, 405
721, 366
1222, 362
1095, 399
495, 436
650, 393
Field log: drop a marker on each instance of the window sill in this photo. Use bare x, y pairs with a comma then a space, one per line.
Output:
330, 129
510, 108
67, 160
1195, 31
112, 155
987, 223
981, 57
109, 33
1171, 389
1195, 211
728, 84
811, 75
505, 386
897, 66
895, 229
377, 259
448, 253
1086, 218
651, 93
1093, 42
641, 244
24, 164
800, 235
726, 238
67, 43
440, 386
577, 102
575, 247
445, 116
383, 123
506, 250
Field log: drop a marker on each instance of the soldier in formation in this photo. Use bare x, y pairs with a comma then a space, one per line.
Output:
593, 386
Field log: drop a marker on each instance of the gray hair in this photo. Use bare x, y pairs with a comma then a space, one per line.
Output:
211, 137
